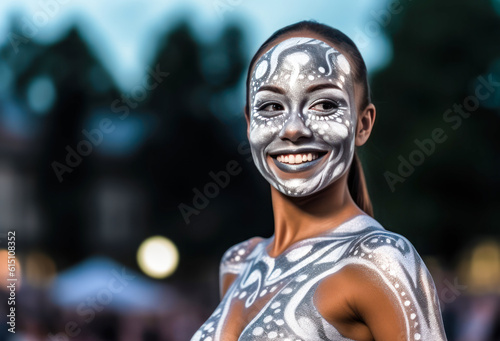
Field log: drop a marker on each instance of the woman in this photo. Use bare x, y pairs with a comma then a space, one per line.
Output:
330, 271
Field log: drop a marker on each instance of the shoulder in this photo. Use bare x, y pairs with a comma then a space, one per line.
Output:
233, 261
383, 278
234, 257
392, 263
389, 252
366, 240
382, 243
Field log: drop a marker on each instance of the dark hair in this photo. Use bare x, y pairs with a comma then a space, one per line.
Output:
356, 179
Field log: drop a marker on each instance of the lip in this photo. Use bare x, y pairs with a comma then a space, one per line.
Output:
295, 168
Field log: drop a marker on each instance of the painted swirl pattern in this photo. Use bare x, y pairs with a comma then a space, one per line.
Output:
292, 278
294, 66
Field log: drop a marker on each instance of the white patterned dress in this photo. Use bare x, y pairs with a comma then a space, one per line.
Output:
293, 277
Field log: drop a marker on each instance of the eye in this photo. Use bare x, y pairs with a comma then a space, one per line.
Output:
325, 106
271, 107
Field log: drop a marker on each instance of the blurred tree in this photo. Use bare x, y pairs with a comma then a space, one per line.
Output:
191, 144
74, 73
186, 154
442, 195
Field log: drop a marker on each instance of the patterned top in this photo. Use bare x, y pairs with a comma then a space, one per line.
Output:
294, 275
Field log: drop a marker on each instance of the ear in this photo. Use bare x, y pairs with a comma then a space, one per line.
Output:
247, 118
364, 126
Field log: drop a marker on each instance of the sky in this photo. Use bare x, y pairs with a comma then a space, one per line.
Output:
124, 34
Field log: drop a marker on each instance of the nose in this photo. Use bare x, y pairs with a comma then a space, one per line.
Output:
294, 128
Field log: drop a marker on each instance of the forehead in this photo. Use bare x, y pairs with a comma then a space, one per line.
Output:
299, 58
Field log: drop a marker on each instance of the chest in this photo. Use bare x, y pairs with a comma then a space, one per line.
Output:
272, 298
261, 318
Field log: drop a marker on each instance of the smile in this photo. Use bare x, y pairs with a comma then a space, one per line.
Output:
296, 158
293, 163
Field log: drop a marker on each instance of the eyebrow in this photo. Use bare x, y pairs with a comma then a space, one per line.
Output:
317, 87
272, 89
312, 88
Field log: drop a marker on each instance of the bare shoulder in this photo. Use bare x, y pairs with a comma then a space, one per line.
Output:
388, 251
394, 258
383, 269
236, 255
233, 260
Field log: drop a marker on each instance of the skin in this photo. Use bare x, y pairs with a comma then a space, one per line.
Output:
297, 218
365, 310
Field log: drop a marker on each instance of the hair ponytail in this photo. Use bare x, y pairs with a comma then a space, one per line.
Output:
357, 186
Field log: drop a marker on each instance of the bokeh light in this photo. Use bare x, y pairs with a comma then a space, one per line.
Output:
5, 273
41, 95
40, 269
158, 257
483, 268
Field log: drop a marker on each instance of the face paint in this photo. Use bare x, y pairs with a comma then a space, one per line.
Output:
281, 290
302, 116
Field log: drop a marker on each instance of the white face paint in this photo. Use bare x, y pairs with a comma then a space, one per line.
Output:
302, 116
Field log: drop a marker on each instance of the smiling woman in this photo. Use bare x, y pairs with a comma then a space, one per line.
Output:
302, 90
330, 271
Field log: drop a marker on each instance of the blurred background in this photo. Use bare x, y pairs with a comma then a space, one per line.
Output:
125, 171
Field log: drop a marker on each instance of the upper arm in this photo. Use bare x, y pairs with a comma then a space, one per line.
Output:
387, 288
232, 262
365, 310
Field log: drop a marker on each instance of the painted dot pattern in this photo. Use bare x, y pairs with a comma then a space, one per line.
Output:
287, 311
296, 63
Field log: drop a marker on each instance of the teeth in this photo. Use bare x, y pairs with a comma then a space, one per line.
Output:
294, 159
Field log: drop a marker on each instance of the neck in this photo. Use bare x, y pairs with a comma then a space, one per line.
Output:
300, 218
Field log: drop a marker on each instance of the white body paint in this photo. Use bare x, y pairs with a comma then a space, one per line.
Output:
285, 120
293, 277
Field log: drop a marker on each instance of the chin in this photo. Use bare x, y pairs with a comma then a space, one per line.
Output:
298, 187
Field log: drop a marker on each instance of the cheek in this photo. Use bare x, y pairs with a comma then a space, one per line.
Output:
264, 129
331, 132
262, 134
